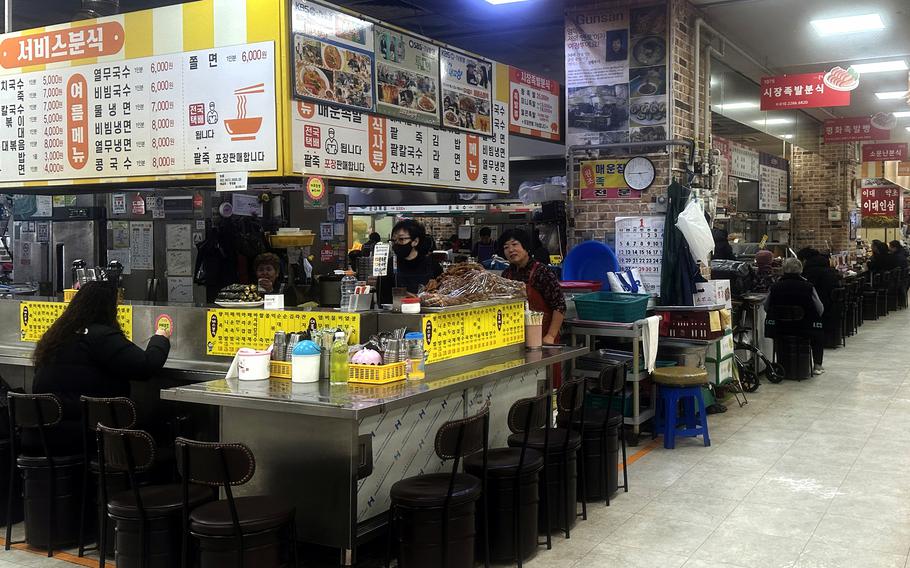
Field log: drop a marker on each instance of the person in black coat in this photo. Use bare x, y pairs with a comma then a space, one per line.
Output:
86, 353
882, 259
899, 253
415, 266
794, 290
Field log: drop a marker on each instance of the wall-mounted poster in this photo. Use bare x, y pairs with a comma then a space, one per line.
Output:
467, 92
332, 55
534, 105
616, 74
407, 76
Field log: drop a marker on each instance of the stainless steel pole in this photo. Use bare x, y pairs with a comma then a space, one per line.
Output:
7, 16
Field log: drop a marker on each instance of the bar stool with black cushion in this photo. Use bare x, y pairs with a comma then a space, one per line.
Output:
51, 478
905, 287
149, 525
872, 297
513, 494
254, 531
432, 516
681, 385
833, 320
604, 434
894, 289
793, 351
884, 286
118, 412
561, 473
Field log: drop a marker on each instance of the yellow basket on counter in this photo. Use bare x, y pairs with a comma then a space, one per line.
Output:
280, 369
377, 374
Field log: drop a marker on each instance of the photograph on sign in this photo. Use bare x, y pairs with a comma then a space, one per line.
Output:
332, 56
407, 76
467, 92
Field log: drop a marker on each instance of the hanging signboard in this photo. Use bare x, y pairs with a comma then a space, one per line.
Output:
884, 152
467, 92
534, 105
332, 56
407, 76
903, 169
808, 90
616, 74
854, 129
640, 245
195, 112
881, 202
773, 183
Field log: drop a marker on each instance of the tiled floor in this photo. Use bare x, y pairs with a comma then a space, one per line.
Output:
808, 475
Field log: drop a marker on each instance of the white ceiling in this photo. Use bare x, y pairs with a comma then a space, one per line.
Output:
778, 34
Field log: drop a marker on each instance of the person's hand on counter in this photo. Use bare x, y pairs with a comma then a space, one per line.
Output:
549, 340
166, 332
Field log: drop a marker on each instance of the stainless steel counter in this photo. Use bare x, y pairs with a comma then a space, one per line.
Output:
356, 401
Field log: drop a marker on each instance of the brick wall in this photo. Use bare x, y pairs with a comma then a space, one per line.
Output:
595, 219
820, 181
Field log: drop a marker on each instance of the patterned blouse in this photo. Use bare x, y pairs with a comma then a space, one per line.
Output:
544, 282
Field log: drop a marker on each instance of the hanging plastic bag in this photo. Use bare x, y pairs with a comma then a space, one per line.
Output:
692, 224
628, 280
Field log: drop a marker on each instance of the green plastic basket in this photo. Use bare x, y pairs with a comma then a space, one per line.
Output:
611, 306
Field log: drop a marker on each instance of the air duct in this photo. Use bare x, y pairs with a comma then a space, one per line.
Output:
97, 9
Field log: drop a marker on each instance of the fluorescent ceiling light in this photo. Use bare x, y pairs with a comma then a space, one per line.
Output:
738, 106
504, 1
880, 67
908, 129
787, 136
889, 95
847, 24
770, 121
901, 114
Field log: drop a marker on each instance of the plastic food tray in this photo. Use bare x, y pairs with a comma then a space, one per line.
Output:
377, 374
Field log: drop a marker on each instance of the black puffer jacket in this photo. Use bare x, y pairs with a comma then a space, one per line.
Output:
818, 271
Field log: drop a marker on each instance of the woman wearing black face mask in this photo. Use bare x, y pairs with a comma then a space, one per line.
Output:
415, 266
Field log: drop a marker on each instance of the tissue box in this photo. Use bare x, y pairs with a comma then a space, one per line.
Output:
713, 292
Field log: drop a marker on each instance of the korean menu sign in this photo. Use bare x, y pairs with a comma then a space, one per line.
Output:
332, 56
616, 74
467, 92
773, 183
884, 152
881, 204
853, 129
195, 112
604, 179
808, 90
534, 108
639, 245
229, 330
407, 76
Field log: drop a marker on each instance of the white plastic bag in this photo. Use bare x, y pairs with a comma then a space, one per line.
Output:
692, 224
627, 281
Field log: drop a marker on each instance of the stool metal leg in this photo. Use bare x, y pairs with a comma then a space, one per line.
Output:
625, 465
82, 506
704, 419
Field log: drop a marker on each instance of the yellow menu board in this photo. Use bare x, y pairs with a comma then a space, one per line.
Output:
464, 332
37, 317
229, 330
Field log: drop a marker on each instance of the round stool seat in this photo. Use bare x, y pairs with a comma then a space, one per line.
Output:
552, 442
431, 490
157, 500
680, 376
503, 462
257, 513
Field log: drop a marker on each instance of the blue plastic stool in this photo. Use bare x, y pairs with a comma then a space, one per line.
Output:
680, 384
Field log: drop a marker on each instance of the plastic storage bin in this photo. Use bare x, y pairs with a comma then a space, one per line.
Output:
612, 306
377, 374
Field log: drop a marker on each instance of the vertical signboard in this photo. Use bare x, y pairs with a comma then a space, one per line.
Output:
773, 183
616, 74
534, 108
881, 204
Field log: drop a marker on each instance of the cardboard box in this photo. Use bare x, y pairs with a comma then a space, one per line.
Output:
719, 360
713, 292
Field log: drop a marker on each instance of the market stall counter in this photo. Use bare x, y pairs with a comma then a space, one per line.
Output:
335, 450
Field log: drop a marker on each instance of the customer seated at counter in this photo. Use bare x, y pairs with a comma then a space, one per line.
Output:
544, 292
882, 260
794, 290
414, 265
899, 253
86, 353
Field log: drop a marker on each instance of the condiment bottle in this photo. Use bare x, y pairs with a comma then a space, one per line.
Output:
339, 374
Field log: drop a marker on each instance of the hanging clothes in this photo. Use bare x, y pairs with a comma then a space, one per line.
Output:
678, 270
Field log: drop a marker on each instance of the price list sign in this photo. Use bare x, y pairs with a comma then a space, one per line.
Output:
640, 244
450, 335
35, 318
229, 330
773, 183
194, 112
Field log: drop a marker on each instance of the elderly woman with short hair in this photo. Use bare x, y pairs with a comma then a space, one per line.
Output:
792, 290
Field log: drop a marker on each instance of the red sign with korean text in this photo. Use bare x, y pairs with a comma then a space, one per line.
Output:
800, 91
903, 169
884, 152
535, 105
855, 129
881, 205
62, 45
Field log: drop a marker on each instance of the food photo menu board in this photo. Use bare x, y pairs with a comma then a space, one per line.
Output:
332, 56
407, 76
616, 74
467, 92
195, 112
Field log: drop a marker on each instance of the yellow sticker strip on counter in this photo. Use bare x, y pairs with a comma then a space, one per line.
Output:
230, 330
35, 318
464, 332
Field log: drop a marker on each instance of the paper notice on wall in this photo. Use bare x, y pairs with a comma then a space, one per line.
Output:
122, 256
179, 263
178, 237
118, 203
142, 245
180, 289
120, 234
44, 206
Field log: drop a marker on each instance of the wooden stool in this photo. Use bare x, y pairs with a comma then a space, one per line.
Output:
680, 384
